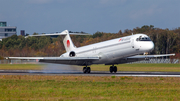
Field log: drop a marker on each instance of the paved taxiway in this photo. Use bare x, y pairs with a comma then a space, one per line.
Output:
93, 73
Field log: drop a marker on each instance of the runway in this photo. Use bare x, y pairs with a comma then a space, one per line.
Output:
93, 73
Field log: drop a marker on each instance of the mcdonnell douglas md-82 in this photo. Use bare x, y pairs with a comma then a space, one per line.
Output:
111, 52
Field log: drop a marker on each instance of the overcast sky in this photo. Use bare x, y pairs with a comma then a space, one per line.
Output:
48, 16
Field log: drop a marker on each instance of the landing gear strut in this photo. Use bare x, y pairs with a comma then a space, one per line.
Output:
86, 69
113, 69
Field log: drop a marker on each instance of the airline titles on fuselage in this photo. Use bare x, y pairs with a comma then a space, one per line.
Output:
124, 39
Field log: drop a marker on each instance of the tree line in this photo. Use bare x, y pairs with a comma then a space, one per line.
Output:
166, 41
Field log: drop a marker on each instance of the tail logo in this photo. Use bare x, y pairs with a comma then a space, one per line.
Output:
68, 43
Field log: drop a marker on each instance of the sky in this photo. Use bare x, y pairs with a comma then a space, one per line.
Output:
90, 16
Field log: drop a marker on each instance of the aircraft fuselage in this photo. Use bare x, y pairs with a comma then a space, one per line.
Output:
111, 51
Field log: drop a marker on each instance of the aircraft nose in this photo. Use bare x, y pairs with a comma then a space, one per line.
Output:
150, 46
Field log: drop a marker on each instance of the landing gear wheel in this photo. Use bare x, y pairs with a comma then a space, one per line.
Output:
86, 70
115, 69
111, 69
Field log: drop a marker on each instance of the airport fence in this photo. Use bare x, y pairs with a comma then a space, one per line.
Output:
168, 61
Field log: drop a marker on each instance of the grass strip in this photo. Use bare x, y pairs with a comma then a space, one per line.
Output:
21, 66
25, 87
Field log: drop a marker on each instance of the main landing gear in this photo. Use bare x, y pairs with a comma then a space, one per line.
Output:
113, 69
86, 69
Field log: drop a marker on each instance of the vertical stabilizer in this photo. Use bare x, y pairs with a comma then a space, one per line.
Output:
68, 44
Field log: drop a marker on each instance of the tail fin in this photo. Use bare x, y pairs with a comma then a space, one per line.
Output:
68, 44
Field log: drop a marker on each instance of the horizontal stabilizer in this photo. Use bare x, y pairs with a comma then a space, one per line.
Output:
57, 34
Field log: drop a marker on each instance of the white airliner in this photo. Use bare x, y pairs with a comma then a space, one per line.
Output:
111, 52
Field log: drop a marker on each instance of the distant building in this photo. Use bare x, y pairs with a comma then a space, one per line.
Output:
23, 32
3, 24
6, 31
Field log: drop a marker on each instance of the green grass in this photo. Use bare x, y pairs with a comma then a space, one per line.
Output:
121, 67
26, 87
88, 88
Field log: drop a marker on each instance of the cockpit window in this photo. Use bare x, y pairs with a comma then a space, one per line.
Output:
143, 39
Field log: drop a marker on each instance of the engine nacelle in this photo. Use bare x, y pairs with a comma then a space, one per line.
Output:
72, 54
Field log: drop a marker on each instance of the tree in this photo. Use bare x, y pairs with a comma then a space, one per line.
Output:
120, 32
97, 34
1, 44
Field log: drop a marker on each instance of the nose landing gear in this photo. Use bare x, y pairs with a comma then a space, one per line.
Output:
86, 69
113, 69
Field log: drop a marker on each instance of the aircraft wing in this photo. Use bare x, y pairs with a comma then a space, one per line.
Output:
61, 60
137, 58
149, 56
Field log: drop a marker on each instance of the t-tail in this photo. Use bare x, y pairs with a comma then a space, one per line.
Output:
68, 44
